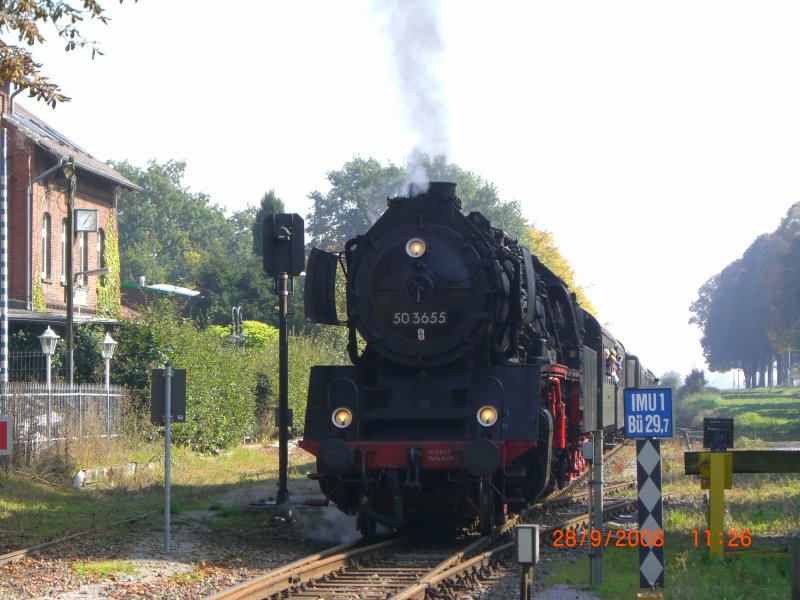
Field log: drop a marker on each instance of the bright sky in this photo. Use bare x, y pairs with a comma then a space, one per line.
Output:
654, 140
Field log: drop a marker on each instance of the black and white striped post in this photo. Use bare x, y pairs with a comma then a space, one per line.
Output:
648, 416
651, 513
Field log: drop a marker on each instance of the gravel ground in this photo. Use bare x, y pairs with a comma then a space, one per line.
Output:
202, 560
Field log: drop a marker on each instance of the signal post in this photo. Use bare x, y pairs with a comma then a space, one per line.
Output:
284, 258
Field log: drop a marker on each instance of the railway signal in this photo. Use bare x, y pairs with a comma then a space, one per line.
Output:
284, 258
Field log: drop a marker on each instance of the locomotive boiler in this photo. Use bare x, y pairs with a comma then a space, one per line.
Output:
475, 374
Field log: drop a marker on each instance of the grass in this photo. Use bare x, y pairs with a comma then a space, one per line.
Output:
766, 414
32, 512
768, 505
689, 574
104, 569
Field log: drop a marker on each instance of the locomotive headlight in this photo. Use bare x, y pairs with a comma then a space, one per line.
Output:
342, 417
415, 247
487, 416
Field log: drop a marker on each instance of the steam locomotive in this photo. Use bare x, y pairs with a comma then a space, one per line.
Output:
475, 374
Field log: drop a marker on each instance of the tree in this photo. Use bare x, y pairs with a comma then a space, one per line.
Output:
25, 19
360, 188
543, 245
783, 283
694, 382
270, 204
167, 231
671, 379
733, 313
355, 201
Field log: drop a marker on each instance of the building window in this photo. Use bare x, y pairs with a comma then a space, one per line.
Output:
46, 252
83, 253
101, 248
63, 250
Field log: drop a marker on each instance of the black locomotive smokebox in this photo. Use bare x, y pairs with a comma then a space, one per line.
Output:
481, 457
334, 458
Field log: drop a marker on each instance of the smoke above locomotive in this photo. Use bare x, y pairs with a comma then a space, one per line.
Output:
475, 374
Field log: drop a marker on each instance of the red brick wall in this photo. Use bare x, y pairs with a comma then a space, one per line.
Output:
18, 150
50, 196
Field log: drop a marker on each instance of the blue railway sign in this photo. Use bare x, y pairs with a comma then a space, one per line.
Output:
648, 412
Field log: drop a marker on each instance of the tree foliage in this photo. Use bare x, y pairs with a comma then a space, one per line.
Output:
166, 230
355, 201
26, 19
543, 245
751, 309
359, 191
173, 235
694, 382
270, 204
220, 387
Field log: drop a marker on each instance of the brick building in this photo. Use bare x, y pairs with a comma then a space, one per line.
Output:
37, 226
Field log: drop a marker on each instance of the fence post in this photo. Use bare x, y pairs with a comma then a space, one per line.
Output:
795, 554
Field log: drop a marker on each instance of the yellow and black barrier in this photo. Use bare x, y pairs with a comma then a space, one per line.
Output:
716, 470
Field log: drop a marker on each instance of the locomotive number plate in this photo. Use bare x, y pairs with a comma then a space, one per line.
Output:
436, 317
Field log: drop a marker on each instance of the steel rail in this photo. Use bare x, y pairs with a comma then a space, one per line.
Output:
16, 555
303, 570
438, 576
334, 559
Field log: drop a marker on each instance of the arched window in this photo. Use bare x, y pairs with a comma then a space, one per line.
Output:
101, 248
63, 250
46, 250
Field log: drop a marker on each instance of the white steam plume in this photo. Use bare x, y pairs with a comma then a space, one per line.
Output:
416, 43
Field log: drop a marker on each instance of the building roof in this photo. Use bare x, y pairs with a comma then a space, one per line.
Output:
162, 288
58, 144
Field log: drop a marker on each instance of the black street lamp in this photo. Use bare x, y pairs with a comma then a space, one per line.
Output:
70, 173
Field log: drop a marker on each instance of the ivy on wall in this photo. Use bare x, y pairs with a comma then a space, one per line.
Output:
108, 290
39, 305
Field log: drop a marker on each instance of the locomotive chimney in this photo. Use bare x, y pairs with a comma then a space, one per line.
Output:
437, 190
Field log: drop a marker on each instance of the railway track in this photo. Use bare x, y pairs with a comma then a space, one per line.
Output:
407, 568
16, 555
398, 568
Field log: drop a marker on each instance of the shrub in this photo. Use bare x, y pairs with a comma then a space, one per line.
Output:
220, 384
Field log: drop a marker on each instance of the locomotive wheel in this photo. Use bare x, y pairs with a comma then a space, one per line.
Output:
486, 508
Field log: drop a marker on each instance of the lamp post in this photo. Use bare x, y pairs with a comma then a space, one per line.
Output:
70, 174
107, 345
48, 340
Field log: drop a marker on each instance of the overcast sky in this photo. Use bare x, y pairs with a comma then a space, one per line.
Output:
655, 141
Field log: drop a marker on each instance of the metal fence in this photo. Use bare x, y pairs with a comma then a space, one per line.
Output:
43, 418
27, 366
